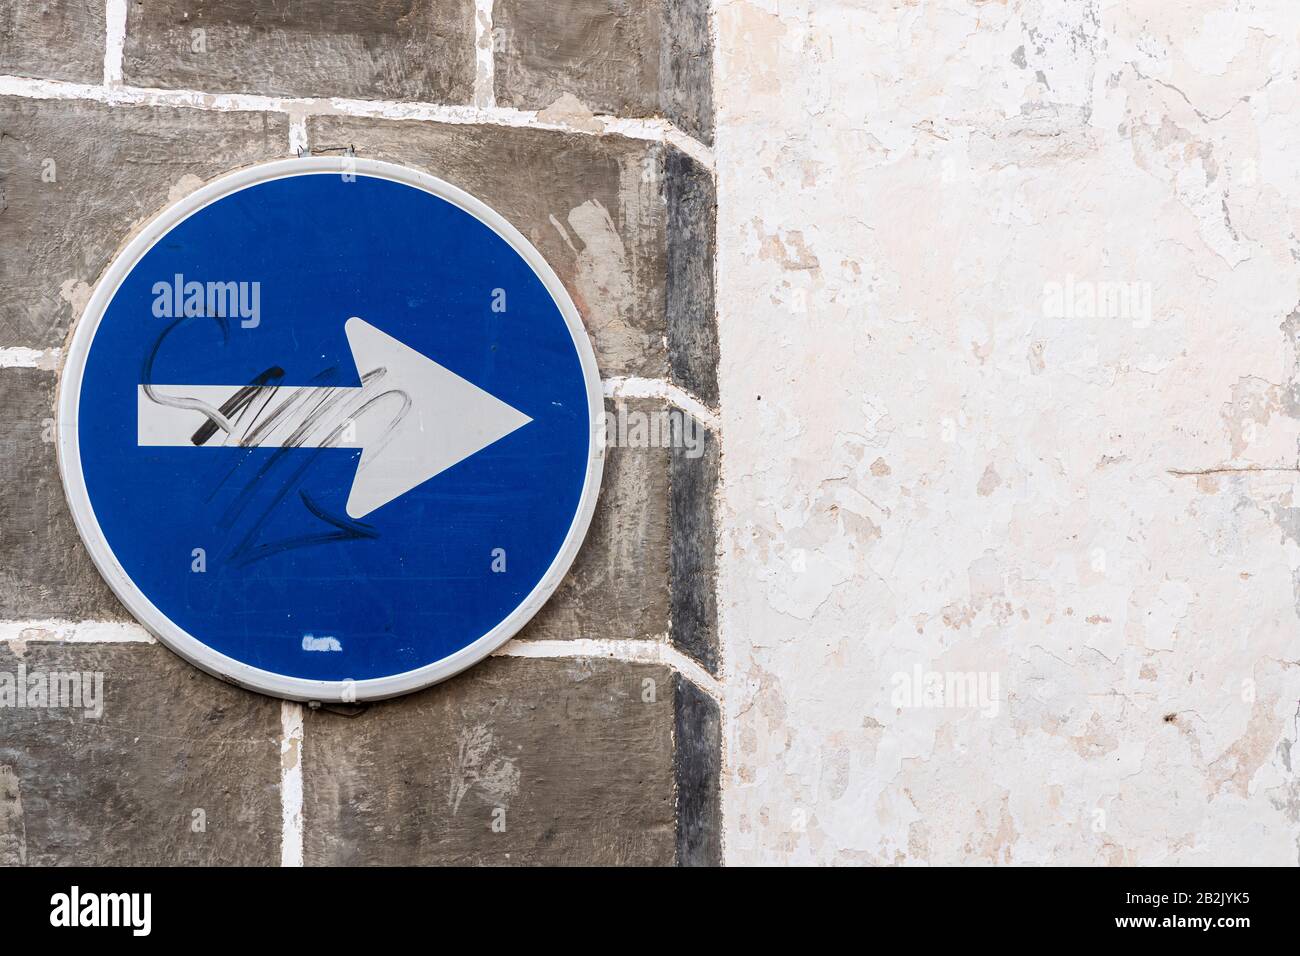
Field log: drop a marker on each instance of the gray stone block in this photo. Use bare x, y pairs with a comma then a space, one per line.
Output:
604, 52
45, 571
591, 205
686, 68
53, 40
698, 767
381, 49
632, 58
76, 177
617, 588
692, 316
122, 790
574, 757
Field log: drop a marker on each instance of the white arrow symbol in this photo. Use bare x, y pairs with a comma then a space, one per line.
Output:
411, 418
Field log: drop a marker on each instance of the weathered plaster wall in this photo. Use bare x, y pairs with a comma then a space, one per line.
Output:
941, 455
595, 736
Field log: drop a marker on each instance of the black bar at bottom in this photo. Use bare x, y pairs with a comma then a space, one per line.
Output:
342, 907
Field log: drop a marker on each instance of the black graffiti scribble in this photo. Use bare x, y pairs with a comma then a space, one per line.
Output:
253, 413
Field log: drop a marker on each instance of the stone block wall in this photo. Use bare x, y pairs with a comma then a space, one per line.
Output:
594, 737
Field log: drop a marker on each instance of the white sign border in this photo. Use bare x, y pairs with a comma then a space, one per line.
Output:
166, 630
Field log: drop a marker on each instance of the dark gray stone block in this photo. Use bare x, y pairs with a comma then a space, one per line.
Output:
123, 789
698, 767
381, 49
692, 320
686, 68
694, 483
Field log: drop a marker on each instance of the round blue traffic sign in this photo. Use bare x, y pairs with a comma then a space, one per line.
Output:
329, 429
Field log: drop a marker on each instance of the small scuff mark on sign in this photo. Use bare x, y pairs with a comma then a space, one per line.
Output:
312, 643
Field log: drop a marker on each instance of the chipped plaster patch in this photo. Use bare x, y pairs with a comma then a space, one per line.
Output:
183, 187
604, 292
568, 110
76, 293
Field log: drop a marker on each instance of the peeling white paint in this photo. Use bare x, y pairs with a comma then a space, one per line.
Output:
20, 356
485, 95
291, 833
75, 632
923, 468
114, 41
298, 142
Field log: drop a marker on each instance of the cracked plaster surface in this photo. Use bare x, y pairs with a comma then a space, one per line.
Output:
1009, 309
